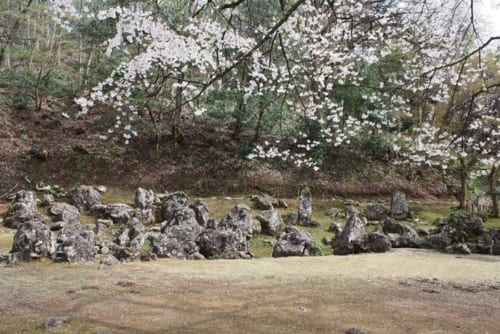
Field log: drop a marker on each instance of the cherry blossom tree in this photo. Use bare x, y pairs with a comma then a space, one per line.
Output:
405, 70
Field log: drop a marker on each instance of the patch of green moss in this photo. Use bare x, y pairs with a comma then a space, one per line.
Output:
260, 245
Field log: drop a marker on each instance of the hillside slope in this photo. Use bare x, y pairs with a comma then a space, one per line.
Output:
47, 147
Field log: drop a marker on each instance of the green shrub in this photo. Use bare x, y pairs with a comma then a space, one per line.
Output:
19, 102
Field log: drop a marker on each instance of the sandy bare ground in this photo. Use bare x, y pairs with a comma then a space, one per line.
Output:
403, 291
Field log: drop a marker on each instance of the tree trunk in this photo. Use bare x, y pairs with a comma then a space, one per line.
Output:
176, 119
492, 180
464, 177
239, 112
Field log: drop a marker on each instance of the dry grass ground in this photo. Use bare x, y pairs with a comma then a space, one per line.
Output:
403, 291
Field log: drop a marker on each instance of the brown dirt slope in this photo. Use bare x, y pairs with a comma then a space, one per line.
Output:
206, 162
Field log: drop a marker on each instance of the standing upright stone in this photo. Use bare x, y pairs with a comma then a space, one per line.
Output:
144, 202
399, 207
22, 209
305, 207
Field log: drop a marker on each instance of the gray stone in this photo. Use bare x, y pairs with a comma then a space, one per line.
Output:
401, 235
131, 235
54, 323
75, 243
256, 227
391, 226
305, 207
102, 225
125, 254
291, 219
270, 222
437, 241
32, 241
335, 213
376, 211
458, 248
238, 218
294, 242
47, 199
378, 242
22, 209
178, 235
201, 212
495, 236
119, 213
172, 203
65, 212
108, 261
8, 259
143, 201
354, 330
353, 238
399, 207
84, 197
101, 189
222, 243
422, 232
266, 202
335, 228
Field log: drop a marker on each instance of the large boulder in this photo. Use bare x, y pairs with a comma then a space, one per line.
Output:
172, 203
32, 241
378, 242
178, 235
484, 245
131, 235
143, 201
65, 212
305, 207
266, 202
437, 241
376, 211
238, 218
399, 207
353, 238
22, 209
84, 197
201, 212
294, 243
75, 243
223, 242
270, 222
401, 236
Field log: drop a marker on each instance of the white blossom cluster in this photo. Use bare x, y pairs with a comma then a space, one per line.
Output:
346, 68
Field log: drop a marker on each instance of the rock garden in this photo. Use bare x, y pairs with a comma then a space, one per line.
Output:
75, 226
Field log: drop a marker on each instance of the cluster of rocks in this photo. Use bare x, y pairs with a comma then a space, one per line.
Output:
461, 232
290, 241
124, 233
120, 234
169, 226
